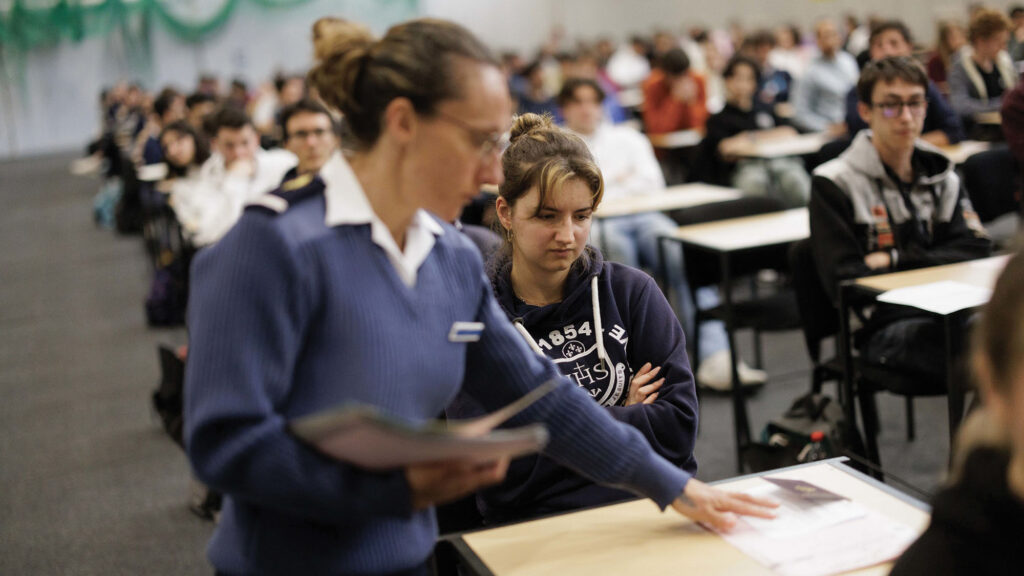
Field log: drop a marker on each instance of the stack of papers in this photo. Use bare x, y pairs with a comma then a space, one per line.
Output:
363, 436
817, 532
943, 297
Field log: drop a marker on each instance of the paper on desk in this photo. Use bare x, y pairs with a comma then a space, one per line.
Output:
944, 297
363, 436
818, 540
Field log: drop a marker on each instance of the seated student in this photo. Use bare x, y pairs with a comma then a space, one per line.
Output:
606, 326
976, 519
534, 97
627, 162
941, 124
818, 98
310, 133
743, 120
951, 40
238, 172
983, 70
168, 107
774, 84
200, 107
675, 97
184, 151
892, 202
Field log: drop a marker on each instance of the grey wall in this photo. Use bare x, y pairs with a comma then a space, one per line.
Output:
53, 107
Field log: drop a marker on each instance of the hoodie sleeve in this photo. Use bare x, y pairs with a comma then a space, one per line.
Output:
838, 254
669, 423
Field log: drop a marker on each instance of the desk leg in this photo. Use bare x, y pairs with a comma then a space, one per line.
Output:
846, 399
955, 387
740, 421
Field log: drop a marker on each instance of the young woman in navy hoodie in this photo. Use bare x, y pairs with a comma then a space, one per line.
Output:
606, 326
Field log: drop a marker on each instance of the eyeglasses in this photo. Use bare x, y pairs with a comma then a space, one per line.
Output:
895, 108
487, 143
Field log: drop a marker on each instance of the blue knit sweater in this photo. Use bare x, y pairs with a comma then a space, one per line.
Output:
288, 317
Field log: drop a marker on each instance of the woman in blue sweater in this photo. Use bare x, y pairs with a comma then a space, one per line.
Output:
606, 326
346, 291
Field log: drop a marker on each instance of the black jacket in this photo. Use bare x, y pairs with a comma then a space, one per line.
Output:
977, 525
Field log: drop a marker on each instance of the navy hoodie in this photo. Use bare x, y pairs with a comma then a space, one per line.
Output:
638, 326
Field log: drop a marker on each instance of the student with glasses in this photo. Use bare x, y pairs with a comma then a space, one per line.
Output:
892, 202
310, 133
941, 124
350, 292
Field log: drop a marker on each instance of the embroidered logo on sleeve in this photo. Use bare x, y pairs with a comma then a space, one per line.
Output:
465, 332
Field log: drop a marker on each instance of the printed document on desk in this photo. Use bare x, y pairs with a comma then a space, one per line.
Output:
363, 436
816, 532
944, 297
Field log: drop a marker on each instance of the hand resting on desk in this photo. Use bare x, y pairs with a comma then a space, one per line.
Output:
718, 508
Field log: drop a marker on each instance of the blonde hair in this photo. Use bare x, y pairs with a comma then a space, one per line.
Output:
360, 75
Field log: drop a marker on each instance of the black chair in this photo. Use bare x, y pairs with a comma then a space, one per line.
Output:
820, 320
991, 179
774, 312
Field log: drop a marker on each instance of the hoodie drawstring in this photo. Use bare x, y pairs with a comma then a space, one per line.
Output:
602, 354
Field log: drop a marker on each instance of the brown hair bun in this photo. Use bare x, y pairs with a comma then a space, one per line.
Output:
527, 123
342, 49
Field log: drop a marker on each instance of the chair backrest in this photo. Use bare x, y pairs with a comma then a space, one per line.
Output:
703, 268
991, 180
818, 316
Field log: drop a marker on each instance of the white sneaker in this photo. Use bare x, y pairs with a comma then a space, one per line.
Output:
715, 373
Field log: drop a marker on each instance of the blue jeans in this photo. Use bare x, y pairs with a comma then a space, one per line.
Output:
633, 241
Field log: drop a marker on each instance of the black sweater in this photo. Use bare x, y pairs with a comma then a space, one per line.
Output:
977, 525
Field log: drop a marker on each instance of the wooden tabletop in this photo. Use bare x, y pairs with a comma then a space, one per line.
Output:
982, 273
960, 152
635, 538
749, 231
991, 118
797, 145
672, 198
680, 139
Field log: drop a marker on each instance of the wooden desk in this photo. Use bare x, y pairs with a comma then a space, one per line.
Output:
635, 538
989, 118
982, 273
672, 198
726, 239
798, 145
959, 153
748, 232
675, 140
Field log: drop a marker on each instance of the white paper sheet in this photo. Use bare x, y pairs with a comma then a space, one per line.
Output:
830, 538
944, 297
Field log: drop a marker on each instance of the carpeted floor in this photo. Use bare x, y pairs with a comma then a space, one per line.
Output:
89, 484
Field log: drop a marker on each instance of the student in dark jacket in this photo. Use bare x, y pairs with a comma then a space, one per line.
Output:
892, 202
605, 325
976, 520
743, 121
941, 124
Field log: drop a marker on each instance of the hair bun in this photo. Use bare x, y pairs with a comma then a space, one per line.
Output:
530, 122
341, 48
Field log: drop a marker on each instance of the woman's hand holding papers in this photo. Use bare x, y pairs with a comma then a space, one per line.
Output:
437, 483
717, 508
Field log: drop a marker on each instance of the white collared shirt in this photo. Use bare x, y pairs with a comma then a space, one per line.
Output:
347, 205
